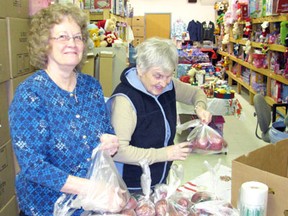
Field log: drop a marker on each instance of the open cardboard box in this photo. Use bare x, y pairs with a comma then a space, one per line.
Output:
269, 165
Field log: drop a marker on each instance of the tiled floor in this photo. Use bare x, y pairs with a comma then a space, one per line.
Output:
240, 136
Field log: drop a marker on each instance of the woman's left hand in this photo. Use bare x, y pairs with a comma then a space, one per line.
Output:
109, 143
204, 115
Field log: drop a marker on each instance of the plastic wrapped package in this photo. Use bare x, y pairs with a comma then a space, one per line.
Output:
215, 208
204, 139
145, 205
101, 172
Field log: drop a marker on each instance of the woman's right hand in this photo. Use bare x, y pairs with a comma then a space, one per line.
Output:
179, 151
109, 143
104, 197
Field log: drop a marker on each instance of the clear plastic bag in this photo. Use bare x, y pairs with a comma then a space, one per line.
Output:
145, 205
214, 207
167, 200
102, 171
204, 139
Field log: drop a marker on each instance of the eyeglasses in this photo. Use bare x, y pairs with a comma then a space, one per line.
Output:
65, 38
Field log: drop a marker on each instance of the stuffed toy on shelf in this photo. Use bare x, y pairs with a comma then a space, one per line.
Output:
110, 35
247, 51
196, 74
95, 35
247, 30
236, 30
265, 31
109, 25
108, 40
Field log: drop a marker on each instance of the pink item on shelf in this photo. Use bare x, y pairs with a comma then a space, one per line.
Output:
276, 91
259, 60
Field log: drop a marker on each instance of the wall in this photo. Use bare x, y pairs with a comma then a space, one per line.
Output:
203, 10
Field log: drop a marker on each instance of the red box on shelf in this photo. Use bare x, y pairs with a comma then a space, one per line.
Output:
282, 6
223, 96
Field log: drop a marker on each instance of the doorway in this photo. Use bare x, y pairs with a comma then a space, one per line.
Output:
158, 25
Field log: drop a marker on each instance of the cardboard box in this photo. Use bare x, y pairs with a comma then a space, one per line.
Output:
18, 52
138, 31
268, 165
119, 62
7, 174
4, 58
14, 8
106, 72
137, 40
11, 208
4, 123
89, 66
138, 21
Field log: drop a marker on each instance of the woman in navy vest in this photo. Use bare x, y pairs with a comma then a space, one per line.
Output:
143, 112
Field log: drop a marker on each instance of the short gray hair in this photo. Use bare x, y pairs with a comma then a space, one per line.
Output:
157, 52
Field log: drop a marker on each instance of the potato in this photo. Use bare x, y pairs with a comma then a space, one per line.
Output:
128, 212
146, 209
184, 202
132, 203
161, 207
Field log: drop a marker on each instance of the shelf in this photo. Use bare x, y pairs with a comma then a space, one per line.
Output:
273, 47
265, 72
223, 53
241, 83
277, 47
238, 80
120, 18
276, 18
271, 101
98, 15
278, 77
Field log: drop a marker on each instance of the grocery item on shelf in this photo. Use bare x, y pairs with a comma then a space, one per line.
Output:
265, 53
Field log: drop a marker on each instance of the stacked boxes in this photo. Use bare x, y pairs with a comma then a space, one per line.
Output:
11, 208
19, 8
138, 27
7, 175
14, 67
4, 59
18, 53
4, 124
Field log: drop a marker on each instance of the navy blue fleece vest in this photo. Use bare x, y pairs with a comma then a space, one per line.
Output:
150, 129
